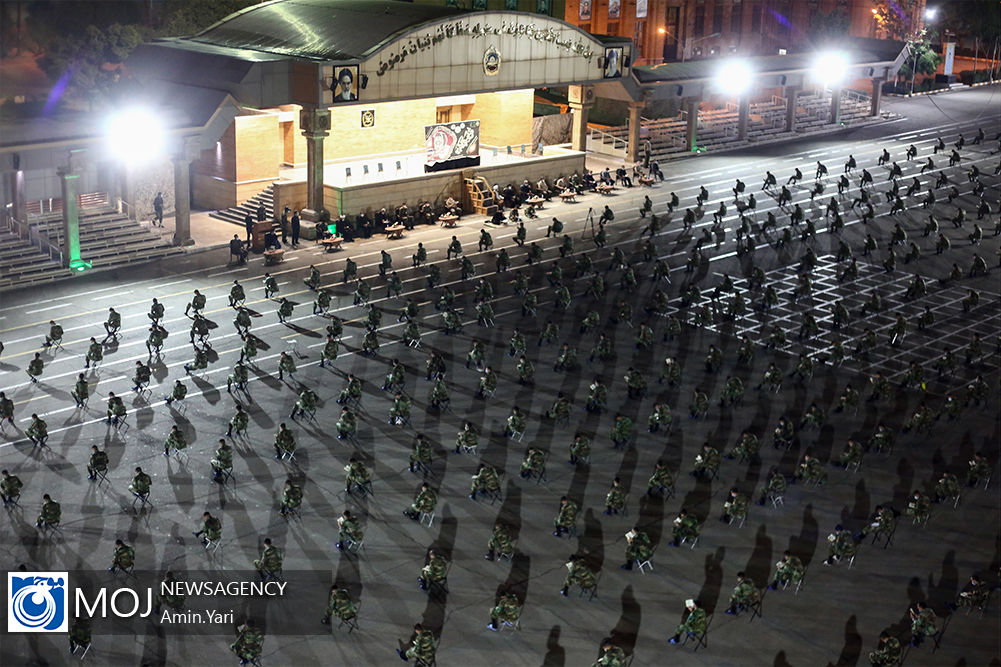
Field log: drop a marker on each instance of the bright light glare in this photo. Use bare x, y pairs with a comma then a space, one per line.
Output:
135, 135
830, 68
733, 77
930, 12
662, 30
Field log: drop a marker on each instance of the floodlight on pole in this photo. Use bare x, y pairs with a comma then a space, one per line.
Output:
830, 68
931, 12
135, 135
734, 77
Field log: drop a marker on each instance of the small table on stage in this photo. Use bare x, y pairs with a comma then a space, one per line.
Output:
275, 256
647, 180
331, 244
395, 231
604, 188
448, 220
568, 196
537, 202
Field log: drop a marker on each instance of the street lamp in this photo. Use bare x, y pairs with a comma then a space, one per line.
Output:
830, 68
733, 77
135, 135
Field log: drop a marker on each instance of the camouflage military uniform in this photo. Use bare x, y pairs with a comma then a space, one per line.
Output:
566, 518
685, 527
789, 570
887, 651
270, 561
485, 480
622, 431
340, 605
706, 462
747, 447
843, 545
500, 542
661, 416
507, 610
579, 574
744, 594
249, 643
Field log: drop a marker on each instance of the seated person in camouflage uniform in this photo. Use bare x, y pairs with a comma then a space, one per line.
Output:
435, 571
349, 530
661, 416
699, 405
249, 643
622, 431
305, 404
919, 507
775, 488
222, 462
661, 480
211, 529
400, 412
973, 596
141, 483
638, 548
747, 447
686, 527
425, 503
507, 610
735, 506
10, 486
534, 463
357, 475
167, 595
789, 570
851, 455
611, 656
347, 425
946, 487
887, 651
745, 595
980, 469
882, 522
239, 421
813, 417
339, 604
116, 409
291, 497
123, 558
694, 624
485, 480
843, 545
923, 622
561, 408
810, 470
615, 499
706, 462
80, 634
175, 440
578, 574
284, 441
566, 519
468, 438
270, 562
423, 646
500, 542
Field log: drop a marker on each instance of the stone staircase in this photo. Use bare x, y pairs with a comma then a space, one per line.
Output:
107, 239
236, 214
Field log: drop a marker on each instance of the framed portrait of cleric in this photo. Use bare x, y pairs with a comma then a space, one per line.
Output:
613, 62
345, 84
584, 10
614, 9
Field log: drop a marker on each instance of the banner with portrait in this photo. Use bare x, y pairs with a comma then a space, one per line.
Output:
641, 9
614, 8
452, 145
584, 10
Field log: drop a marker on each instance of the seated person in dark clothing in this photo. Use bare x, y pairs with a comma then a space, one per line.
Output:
236, 248
271, 241
589, 182
452, 207
510, 196
321, 230
346, 229
606, 177
655, 171
425, 212
381, 221
526, 190
403, 216
362, 227
620, 175
498, 218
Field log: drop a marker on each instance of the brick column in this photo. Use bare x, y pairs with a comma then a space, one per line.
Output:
633, 139
692, 128
877, 95
791, 93
182, 190
579, 105
835, 106
69, 179
743, 116
315, 124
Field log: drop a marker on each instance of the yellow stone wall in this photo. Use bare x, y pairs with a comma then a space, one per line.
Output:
505, 118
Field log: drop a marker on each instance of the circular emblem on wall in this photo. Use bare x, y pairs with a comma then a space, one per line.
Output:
491, 61
368, 118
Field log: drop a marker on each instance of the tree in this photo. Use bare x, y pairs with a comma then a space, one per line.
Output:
895, 19
921, 59
830, 27
78, 62
972, 19
188, 17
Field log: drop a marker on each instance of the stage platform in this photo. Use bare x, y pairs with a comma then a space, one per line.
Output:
372, 182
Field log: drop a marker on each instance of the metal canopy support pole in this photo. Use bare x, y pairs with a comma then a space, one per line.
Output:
315, 124
743, 116
632, 147
792, 92
691, 129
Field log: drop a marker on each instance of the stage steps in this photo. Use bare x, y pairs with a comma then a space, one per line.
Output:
236, 214
481, 197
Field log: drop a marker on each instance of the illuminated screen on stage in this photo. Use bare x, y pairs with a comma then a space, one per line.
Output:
452, 145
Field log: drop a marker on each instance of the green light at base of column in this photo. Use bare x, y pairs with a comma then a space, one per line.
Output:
79, 265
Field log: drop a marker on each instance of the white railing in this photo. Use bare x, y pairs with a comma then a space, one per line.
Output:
598, 141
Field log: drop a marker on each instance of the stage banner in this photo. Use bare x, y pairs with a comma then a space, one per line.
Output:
452, 145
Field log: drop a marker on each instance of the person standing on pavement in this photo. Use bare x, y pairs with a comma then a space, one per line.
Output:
158, 209
285, 224
248, 223
295, 229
